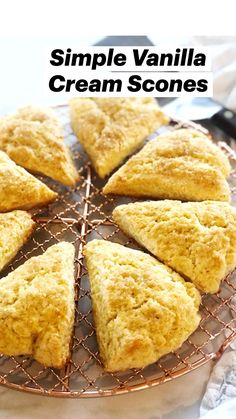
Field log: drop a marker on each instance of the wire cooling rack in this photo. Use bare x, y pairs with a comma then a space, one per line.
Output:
81, 214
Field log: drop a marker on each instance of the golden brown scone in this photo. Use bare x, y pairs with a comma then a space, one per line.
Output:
182, 164
33, 139
19, 189
39, 114
197, 239
15, 229
110, 129
37, 307
142, 309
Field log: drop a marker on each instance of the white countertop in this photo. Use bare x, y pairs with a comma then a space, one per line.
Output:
178, 399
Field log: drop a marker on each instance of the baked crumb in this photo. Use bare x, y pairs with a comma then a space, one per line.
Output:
33, 138
142, 309
197, 239
19, 189
15, 229
37, 307
182, 164
110, 129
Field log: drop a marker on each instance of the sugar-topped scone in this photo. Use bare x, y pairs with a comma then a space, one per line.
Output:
110, 129
183, 164
197, 239
15, 229
33, 138
142, 309
37, 307
19, 189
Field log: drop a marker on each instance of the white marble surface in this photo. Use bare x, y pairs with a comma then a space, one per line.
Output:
179, 399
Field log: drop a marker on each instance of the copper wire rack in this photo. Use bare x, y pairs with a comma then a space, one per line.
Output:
82, 214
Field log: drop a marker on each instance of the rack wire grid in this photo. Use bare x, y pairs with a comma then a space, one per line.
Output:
81, 214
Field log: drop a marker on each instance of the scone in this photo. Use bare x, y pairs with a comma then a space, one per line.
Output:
182, 164
33, 139
110, 129
15, 229
19, 189
37, 307
197, 239
40, 114
142, 309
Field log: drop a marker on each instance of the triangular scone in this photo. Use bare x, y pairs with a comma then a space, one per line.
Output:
33, 139
182, 164
110, 129
142, 309
197, 239
15, 229
19, 189
37, 307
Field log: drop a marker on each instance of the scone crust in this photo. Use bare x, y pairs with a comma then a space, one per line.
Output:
33, 138
110, 129
37, 307
142, 309
19, 189
183, 164
15, 229
197, 239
